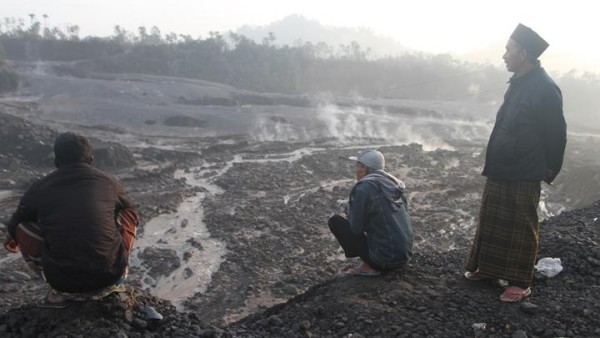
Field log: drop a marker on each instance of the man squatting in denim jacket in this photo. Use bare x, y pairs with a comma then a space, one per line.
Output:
378, 228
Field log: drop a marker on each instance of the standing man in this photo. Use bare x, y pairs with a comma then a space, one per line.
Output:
526, 147
75, 227
378, 228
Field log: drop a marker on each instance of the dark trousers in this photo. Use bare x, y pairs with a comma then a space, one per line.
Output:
354, 245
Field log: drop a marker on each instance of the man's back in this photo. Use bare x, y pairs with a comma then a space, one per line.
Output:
74, 207
379, 209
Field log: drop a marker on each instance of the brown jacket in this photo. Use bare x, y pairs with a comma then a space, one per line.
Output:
75, 208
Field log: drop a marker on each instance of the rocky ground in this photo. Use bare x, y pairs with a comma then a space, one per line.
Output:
280, 273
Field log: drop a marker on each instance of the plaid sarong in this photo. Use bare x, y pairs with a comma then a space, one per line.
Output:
507, 238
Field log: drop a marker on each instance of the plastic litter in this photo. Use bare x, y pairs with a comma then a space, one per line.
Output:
502, 282
478, 326
152, 314
478, 329
549, 266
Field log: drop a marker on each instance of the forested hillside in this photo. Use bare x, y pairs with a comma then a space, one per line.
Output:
308, 68
8, 78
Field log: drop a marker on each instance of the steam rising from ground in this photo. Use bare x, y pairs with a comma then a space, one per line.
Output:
353, 124
269, 130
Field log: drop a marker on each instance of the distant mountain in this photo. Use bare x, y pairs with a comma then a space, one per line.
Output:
554, 59
296, 29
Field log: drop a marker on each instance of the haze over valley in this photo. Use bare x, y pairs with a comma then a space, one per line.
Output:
234, 146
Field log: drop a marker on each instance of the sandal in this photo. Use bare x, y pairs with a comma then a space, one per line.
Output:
513, 294
474, 276
358, 271
46, 303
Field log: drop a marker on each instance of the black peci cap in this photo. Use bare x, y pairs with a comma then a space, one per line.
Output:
529, 40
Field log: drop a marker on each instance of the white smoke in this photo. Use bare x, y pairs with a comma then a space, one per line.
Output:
264, 130
432, 125
359, 122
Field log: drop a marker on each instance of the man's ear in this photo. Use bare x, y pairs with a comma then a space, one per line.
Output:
524, 55
91, 159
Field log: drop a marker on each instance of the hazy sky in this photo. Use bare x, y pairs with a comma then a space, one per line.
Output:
455, 26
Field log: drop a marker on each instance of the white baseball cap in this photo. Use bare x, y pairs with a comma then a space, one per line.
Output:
371, 158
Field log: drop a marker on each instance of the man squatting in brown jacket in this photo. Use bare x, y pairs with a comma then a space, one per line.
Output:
75, 227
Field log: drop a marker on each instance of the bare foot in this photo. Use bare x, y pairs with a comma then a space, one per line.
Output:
54, 301
54, 297
366, 267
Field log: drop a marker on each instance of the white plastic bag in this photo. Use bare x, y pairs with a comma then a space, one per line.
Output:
549, 266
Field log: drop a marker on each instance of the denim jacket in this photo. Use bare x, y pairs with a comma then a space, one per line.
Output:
377, 208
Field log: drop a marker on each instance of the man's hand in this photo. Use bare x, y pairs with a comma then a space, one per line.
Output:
11, 245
